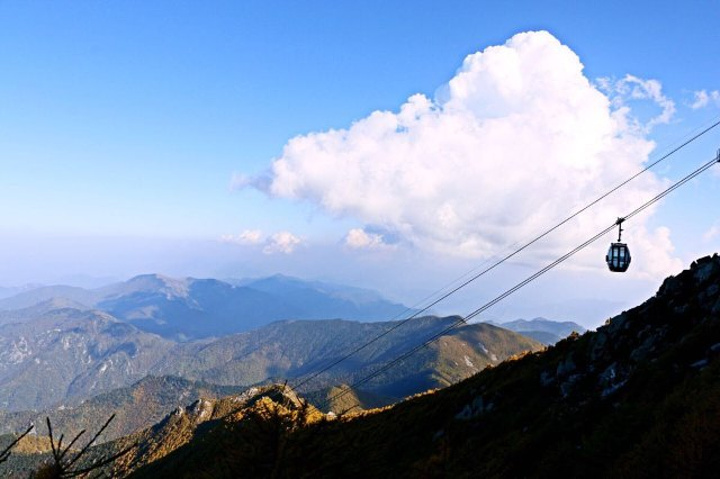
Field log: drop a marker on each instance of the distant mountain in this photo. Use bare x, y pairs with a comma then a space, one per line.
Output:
35, 296
6, 292
544, 330
186, 309
319, 300
639, 397
38, 310
192, 308
66, 355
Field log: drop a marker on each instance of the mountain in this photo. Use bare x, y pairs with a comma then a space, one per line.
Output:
38, 310
639, 397
188, 309
61, 356
283, 349
247, 412
32, 297
320, 300
136, 407
70, 354
293, 349
191, 308
543, 330
172, 432
6, 292
343, 398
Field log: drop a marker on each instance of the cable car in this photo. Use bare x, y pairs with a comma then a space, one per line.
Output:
618, 256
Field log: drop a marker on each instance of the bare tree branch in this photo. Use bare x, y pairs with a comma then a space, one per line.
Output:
5, 454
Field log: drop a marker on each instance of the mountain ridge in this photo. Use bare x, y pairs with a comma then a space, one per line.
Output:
67, 355
190, 308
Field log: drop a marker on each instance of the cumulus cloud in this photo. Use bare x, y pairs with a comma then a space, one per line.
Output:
357, 238
247, 237
515, 141
703, 98
282, 242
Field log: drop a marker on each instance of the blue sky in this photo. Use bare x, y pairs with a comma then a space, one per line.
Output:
124, 126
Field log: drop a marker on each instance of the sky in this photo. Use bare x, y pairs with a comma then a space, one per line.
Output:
383, 144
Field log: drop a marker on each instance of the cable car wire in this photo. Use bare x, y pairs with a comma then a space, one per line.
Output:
523, 283
517, 251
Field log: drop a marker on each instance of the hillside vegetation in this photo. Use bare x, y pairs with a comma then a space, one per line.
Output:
67, 355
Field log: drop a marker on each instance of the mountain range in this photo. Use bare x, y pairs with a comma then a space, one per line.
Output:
639, 397
188, 309
64, 355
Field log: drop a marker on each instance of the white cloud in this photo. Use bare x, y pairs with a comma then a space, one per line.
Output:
247, 237
632, 88
239, 181
514, 142
712, 233
715, 95
702, 99
358, 238
282, 242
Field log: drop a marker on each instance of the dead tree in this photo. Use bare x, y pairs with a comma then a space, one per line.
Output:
66, 464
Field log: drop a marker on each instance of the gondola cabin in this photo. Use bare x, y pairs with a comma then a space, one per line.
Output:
618, 257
